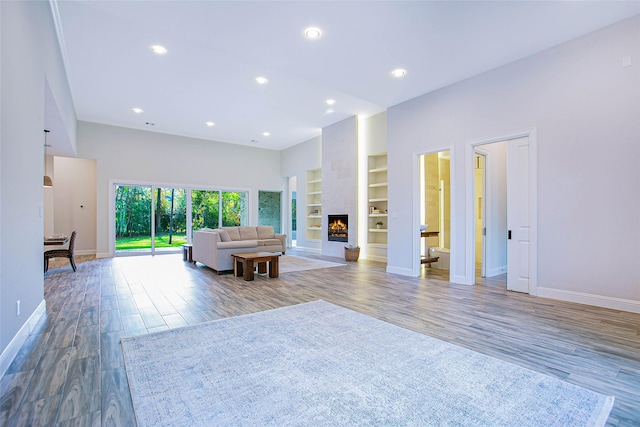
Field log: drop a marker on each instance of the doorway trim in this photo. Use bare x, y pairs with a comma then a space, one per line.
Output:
470, 148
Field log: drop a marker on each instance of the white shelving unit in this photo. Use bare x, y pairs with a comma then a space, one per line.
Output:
314, 205
378, 200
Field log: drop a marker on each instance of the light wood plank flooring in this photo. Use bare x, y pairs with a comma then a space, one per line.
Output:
70, 372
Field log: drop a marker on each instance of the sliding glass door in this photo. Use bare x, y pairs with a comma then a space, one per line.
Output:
152, 219
133, 218
205, 209
234, 208
170, 219
214, 209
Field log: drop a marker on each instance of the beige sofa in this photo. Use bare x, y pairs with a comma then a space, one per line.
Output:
214, 247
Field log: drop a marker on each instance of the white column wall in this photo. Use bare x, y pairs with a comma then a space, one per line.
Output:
339, 181
29, 58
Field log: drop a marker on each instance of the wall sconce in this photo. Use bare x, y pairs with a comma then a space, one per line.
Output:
48, 182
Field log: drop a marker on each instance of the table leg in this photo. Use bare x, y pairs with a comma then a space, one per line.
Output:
248, 269
237, 267
274, 268
262, 267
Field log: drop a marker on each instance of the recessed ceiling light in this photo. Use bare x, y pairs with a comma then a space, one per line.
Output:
266, 133
398, 72
262, 80
210, 124
312, 33
160, 50
137, 110
330, 101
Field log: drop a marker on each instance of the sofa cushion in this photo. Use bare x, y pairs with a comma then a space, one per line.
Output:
265, 232
233, 233
248, 233
238, 244
224, 236
269, 242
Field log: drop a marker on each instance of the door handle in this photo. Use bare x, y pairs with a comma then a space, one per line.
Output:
509, 235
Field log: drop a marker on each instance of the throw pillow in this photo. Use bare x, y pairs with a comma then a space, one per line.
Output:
233, 233
224, 236
265, 232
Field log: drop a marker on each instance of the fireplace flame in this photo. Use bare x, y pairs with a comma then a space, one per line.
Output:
337, 226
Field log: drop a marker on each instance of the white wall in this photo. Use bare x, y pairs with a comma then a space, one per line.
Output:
296, 161
74, 189
28, 58
339, 181
586, 109
133, 156
376, 133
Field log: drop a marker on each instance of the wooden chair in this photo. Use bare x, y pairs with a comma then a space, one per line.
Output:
61, 253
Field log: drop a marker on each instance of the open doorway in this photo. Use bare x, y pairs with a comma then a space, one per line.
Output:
490, 212
510, 211
435, 214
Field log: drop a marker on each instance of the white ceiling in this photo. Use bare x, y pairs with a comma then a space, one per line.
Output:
216, 49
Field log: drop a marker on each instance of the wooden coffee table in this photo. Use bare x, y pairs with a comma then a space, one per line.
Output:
243, 264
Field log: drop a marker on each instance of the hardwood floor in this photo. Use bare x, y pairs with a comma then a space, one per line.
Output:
70, 372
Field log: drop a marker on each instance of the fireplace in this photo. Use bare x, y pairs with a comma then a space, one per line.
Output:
338, 228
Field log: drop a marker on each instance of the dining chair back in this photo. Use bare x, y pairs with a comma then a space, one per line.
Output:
61, 253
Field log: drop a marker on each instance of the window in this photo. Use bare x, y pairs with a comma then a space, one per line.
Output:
154, 219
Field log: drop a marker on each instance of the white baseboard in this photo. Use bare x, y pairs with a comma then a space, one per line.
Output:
308, 249
460, 280
496, 271
402, 271
20, 338
103, 255
590, 299
84, 252
375, 258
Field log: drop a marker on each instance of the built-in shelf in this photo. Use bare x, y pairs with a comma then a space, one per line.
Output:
374, 170
378, 202
314, 205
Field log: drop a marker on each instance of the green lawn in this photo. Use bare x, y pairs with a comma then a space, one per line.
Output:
144, 242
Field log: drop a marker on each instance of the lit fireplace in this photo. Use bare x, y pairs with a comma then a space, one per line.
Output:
338, 228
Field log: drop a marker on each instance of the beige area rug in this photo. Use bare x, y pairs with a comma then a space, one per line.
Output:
290, 263
318, 364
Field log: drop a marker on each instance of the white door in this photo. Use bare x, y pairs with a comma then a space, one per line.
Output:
518, 221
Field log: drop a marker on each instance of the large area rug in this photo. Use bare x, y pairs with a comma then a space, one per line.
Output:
290, 263
323, 365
